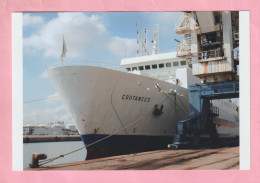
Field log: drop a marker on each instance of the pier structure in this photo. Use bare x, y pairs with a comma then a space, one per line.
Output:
210, 42
221, 158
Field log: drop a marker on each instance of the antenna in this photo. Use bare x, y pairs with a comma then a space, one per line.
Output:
142, 41
137, 41
155, 40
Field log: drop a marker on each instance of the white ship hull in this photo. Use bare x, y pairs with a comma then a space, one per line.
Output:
104, 101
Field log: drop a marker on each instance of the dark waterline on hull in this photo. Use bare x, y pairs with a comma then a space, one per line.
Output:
129, 144
123, 144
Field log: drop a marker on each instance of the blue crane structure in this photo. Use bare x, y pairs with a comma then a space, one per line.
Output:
200, 121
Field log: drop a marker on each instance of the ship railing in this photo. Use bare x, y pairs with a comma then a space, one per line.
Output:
210, 55
163, 77
90, 63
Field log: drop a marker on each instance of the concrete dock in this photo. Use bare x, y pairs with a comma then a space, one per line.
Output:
50, 138
191, 159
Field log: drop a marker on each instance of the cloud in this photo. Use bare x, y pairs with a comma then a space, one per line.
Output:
53, 99
119, 46
44, 75
39, 116
84, 35
31, 20
168, 21
167, 17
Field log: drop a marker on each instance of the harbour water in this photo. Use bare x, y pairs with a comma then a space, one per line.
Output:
52, 149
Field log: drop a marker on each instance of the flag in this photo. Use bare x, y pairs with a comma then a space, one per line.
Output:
64, 49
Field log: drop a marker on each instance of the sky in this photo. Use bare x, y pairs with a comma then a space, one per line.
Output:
91, 37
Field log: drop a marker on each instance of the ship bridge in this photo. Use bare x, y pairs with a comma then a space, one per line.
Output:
162, 66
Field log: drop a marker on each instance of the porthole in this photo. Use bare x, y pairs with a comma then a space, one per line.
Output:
161, 65
168, 64
141, 68
175, 64
183, 62
147, 67
134, 68
154, 66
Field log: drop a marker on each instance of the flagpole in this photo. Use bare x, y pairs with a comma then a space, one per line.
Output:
61, 60
64, 50
61, 57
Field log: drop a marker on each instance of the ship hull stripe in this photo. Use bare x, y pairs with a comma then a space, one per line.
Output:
222, 123
123, 144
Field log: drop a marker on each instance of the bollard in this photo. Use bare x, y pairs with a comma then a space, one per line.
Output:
35, 159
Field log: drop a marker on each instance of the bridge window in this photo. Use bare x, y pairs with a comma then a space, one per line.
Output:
147, 67
128, 69
168, 64
183, 62
161, 65
175, 64
141, 68
134, 68
154, 66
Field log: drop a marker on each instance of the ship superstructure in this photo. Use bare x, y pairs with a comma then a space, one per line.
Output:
165, 66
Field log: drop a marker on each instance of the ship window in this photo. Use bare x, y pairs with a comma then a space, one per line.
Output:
128, 69
168, 64
147, 67
183, 62
134, 68
161, 65
175, 63
141, 68
154, 66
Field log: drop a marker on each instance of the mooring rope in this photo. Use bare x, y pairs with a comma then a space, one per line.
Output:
62, 155
40, 99
186, 112
183, 105
43, 162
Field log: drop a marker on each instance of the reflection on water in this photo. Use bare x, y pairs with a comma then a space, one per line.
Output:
52, 149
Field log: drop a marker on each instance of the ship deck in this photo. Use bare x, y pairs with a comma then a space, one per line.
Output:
190, 159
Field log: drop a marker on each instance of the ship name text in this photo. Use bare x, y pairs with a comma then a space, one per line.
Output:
136, 98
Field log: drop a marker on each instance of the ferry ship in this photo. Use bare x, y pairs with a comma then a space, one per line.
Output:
138, 108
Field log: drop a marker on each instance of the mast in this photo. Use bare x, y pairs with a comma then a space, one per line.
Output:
142, 42
155, 40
